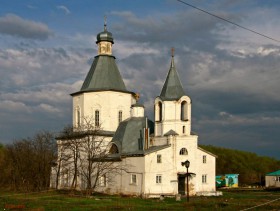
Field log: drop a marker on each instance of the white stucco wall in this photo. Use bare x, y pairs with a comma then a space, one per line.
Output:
208, 168
108, 103
171, 116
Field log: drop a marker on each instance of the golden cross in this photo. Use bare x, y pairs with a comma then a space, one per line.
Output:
105, 23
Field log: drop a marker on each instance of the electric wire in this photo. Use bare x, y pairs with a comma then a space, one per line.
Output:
228, 21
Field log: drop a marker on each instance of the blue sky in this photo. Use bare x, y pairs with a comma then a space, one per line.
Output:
231, 74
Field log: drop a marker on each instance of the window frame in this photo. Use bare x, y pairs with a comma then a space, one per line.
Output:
158, 179
183, 151
133, 179
184, 111
97, 118
102, 181
204, 178
78, 115
159, 158
120, 116
204, 159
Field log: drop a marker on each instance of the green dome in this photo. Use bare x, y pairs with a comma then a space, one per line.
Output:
105, 36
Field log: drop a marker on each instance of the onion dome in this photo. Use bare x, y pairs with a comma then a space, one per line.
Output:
105, 35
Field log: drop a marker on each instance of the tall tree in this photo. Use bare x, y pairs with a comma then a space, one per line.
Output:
90, 157
28, 162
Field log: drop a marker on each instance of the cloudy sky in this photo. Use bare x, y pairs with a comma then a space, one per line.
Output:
46, 49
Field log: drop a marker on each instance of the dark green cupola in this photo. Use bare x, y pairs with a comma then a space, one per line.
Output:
105, 36
104, 74
172, 88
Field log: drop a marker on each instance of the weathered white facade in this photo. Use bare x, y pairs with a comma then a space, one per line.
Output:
151, 152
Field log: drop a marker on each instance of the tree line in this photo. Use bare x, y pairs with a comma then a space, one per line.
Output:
78, 159
251, 167
25, 164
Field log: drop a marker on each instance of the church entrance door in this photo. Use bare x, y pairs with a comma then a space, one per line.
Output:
181, 184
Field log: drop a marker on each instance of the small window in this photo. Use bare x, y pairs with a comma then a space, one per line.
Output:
204, 158
183, 151
65, 178
102, 181
133, 179
158, 179
97, 116
184, 129
158, 112
204, 178
120, 117
158, 158
78, 117
184, 114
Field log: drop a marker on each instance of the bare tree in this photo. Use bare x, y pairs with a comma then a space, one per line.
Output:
68, 149
28, 163
91, 159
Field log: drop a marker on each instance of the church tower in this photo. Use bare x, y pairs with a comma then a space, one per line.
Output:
173, 106
103, 98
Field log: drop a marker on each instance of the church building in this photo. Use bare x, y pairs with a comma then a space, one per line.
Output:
154, 154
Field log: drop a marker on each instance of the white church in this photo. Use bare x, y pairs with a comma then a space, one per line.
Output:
153, 152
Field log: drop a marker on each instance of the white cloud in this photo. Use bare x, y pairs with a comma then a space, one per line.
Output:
16, 26
64, 9
48, 108
14, 106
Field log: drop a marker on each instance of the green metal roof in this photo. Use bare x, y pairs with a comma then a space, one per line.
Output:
104, 75
275, 173
129, 135
172, 88
171, 133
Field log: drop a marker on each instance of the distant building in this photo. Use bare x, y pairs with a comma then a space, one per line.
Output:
155, 151
227, 180
272, 180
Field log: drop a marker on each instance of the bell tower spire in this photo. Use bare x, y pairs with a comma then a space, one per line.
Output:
173, 106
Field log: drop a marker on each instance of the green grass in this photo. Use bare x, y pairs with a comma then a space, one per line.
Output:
63, 200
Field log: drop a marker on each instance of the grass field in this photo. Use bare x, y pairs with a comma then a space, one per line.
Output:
58, 200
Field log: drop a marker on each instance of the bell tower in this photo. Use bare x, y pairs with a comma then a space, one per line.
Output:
173, 106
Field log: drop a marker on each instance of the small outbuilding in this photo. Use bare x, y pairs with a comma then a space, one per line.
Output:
227, 180
272, 180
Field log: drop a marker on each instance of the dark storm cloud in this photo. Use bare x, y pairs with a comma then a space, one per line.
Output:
233, 83
234, 89
175, 29
16, 26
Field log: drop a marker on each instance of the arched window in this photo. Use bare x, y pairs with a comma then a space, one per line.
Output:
183, 151
96, 117
114, 149
120, 116
78, 117
184, 110
160, 111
